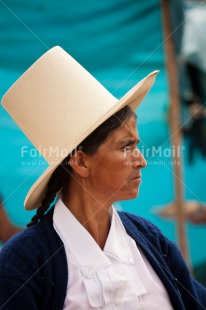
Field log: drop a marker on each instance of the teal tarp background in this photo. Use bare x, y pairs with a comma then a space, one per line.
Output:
119, 42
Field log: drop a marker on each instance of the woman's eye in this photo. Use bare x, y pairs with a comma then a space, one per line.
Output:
130, 146
127, 147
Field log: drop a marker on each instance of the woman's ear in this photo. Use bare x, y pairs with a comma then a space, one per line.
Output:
79, 164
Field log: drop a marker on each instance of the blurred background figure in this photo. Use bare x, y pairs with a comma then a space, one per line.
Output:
188, 24
7, 229
193, 57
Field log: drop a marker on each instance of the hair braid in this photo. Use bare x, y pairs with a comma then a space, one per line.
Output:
58, 181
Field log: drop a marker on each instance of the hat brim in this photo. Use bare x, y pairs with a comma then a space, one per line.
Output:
132, 98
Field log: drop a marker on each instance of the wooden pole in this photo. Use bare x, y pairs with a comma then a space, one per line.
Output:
175, 128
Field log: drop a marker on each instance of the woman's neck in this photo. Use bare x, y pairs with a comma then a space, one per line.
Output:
92, 213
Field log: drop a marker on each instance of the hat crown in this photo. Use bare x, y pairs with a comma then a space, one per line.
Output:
55, 102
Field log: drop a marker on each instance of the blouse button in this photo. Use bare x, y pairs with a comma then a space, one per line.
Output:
117, 302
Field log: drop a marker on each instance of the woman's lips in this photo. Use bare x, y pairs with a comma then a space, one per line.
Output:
138, 177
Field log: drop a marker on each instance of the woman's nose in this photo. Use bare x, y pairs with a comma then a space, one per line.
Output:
139, 160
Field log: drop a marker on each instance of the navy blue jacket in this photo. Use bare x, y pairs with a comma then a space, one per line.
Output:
34, 275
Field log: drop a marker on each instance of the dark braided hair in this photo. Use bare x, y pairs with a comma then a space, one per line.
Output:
60, 176
57, 182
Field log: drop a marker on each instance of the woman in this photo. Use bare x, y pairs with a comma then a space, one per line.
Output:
82, 254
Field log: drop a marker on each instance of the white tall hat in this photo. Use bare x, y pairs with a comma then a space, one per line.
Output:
57, 104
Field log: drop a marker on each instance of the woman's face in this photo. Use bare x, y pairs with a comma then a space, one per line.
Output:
115, 169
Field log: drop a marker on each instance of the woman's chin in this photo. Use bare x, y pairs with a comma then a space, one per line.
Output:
132, 195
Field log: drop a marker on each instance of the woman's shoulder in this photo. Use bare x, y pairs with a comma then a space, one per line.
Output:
31, 247
140, 226
139, 222
22, 248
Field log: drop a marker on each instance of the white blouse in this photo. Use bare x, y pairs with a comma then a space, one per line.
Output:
119, 277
